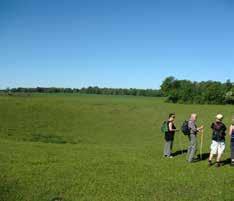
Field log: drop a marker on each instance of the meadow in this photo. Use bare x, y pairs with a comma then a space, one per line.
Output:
104, 148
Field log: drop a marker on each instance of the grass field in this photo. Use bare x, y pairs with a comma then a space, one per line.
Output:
105, 148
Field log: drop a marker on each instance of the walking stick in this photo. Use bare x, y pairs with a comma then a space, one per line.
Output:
201, 146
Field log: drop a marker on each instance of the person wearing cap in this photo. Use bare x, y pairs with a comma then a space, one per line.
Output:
231, 133
194, 130
218, 140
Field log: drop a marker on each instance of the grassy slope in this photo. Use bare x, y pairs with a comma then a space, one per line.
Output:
102, 148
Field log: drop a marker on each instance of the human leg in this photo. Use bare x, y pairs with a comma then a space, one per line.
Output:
193, 147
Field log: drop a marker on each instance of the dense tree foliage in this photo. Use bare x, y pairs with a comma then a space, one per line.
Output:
176, 91
88, 90
111, 91
185, 91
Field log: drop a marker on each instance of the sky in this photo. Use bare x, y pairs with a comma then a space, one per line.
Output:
110, 43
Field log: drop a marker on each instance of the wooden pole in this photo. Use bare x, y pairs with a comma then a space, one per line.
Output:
201, 146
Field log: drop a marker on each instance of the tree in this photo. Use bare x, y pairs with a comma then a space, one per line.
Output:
167, 85
185, 91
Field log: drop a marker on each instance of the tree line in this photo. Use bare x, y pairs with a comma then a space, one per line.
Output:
88, 90
209, 92
175, 91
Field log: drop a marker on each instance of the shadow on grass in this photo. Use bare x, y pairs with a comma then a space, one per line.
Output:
203, 157
226, 162
180, 152
47, 138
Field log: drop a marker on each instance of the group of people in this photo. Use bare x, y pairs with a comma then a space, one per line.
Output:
218, 138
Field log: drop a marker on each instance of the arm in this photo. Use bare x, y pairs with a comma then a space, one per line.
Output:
171, 127
194, 128
230, 130
200, 128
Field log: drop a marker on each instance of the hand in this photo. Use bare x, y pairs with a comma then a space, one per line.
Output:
201, 128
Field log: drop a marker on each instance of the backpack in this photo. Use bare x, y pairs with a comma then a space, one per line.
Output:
185, 128
164, 127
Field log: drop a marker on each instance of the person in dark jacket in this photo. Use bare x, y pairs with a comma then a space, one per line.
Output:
169, 136
218, 140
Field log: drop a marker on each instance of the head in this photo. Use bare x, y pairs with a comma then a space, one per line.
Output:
193, 117
172, 116
219, 118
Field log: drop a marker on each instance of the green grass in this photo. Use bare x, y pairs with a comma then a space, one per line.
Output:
88, 148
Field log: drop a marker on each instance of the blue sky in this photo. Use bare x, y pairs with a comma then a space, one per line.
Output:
109, 43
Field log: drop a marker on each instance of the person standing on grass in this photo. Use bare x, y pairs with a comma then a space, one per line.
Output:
169, 136
194, 130
218, 140
231, 133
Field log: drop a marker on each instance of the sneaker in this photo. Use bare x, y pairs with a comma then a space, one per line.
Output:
209, 163
194, 160
218, 165
169, 156
189, 161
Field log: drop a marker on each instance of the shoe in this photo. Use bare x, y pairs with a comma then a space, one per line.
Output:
218, 165
194, 160
210, 163
169, 156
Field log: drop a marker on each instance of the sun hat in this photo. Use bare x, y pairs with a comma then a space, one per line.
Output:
219, 116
